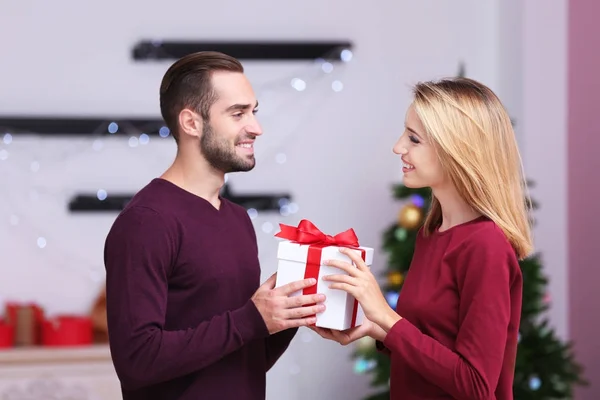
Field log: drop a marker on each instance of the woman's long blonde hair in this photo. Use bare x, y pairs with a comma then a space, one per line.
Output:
475, 142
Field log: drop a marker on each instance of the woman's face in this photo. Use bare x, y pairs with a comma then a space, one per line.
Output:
420, 164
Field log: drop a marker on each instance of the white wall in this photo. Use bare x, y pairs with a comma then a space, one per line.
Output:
532, 83
544, 129
510, 62
71, 58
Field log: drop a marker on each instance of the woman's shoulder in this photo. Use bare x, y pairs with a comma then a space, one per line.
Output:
486, 232
482, 238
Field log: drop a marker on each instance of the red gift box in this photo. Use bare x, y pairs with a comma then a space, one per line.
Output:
7, 334
26, 319
67, 330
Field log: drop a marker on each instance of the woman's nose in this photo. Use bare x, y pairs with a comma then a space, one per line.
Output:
399, 148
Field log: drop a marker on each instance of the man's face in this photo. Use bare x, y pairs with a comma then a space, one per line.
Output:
227, 140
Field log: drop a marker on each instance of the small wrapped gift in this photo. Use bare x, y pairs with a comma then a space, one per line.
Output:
26, 319
7, 334
98, 317
67, 330
299, 257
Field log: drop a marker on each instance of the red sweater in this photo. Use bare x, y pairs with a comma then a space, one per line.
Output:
461, 307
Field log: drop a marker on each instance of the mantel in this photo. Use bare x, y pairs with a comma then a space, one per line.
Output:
54, 355
82, 372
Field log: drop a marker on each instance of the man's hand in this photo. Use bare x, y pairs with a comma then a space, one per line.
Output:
281, 312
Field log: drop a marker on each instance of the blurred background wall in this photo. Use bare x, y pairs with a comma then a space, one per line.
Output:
68, 58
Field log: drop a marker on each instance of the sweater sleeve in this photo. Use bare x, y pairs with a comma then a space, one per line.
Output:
485, 272
380, 347
277, 344
139, 253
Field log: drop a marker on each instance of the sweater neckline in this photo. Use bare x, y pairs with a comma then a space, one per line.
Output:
458, 226
192, 196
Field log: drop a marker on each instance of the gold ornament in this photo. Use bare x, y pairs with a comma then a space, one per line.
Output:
410, 216
395, 278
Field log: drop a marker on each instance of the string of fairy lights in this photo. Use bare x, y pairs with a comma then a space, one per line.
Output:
25, 158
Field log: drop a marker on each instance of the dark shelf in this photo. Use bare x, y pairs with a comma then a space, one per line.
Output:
250, 50
77, 126
147, 50
116, 202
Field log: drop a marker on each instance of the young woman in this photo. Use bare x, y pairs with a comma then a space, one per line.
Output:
454, 332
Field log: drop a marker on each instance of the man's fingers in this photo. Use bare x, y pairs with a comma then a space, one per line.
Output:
270, 283
299, 301
296, 286
295, 323
301, 312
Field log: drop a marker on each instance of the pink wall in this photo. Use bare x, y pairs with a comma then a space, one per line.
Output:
583, 193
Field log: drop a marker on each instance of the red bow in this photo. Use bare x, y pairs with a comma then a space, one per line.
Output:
307, 233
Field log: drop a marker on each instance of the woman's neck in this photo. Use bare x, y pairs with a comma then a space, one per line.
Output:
455, 210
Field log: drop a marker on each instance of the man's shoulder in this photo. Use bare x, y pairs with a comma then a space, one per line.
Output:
148, 209
153, 196
139, 223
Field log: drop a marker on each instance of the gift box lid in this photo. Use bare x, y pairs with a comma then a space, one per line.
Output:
291, 251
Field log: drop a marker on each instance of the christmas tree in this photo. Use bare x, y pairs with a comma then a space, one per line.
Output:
545, 367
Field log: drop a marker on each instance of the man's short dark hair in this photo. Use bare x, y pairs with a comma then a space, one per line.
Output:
187, 84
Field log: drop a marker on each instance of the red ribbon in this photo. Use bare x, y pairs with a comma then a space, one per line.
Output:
307, 233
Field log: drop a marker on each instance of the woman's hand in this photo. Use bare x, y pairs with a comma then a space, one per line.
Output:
367, 328
361, 284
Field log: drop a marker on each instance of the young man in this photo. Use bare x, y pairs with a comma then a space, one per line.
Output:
186, 316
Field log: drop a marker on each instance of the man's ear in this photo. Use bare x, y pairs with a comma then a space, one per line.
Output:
190, 123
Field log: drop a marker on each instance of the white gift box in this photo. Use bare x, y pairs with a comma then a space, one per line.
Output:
341, 309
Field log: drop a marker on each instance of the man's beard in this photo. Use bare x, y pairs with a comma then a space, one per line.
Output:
220, 155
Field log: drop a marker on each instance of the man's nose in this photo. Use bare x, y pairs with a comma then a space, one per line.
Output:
254, 128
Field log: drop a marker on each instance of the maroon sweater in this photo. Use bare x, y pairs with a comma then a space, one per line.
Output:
461, 307
179, 277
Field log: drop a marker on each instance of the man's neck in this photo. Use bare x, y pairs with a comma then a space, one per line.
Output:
192, 173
